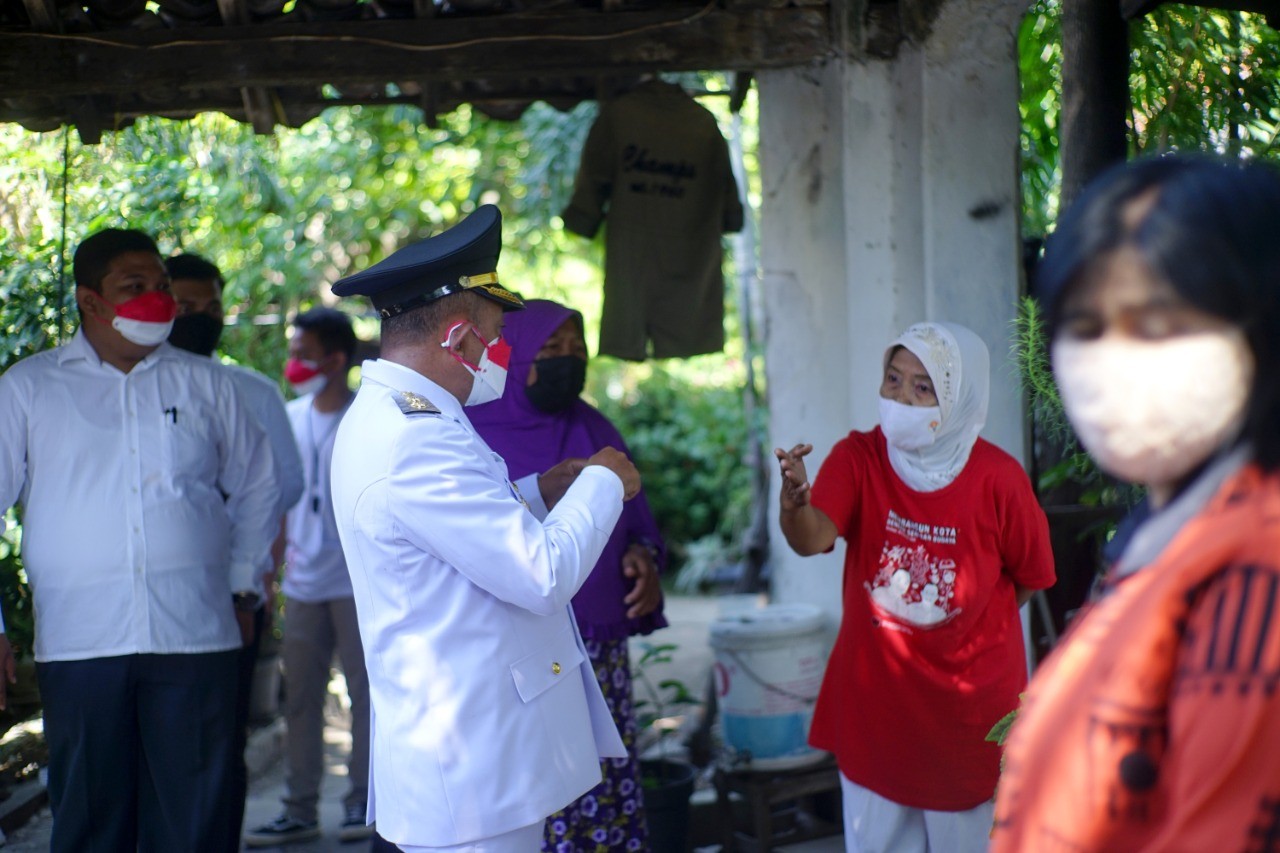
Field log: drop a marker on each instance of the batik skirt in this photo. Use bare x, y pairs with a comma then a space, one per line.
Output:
609, 817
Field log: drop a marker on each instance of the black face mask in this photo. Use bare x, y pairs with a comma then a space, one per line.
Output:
559, 383
197, 333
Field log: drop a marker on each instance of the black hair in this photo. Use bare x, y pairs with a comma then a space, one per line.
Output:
95, 253
421, 323
1209, 233
194, 267
332, 328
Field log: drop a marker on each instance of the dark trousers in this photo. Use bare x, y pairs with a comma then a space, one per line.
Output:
140, 752
382, 845
246, 660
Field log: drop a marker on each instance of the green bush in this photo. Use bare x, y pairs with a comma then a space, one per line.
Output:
690, 443
1066, 474
34, 305
15, 595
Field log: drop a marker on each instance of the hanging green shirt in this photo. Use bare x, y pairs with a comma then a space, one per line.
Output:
656, 164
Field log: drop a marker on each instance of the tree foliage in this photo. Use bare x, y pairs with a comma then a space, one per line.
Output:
1200, 80
1204, 80
1040, 69
284, 216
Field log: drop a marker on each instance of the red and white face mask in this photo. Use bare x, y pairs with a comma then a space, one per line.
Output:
489, 377
304, 376
146, 319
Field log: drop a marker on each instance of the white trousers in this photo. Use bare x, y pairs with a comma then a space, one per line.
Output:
526, 839
873, 824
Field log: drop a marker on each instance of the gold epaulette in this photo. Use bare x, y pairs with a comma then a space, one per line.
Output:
414, 404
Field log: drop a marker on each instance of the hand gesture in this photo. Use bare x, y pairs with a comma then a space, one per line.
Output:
795, 480
557, 480
617, 462
646, 595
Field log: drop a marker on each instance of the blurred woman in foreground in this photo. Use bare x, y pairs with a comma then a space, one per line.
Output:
1154, 725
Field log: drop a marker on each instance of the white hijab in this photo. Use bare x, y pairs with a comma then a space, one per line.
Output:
957, 362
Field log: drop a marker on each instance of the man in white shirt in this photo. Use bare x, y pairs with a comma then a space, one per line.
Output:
486, 715
319, 611
147, 501
197, 286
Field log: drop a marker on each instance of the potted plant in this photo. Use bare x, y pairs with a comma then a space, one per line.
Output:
666, 778
1082, 503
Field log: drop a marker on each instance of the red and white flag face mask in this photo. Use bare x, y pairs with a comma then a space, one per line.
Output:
304, 376
489, 377
145, 319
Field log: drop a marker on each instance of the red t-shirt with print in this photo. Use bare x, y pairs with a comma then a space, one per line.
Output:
930, 652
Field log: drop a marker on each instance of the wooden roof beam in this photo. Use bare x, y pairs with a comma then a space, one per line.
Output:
228, 101
492, 48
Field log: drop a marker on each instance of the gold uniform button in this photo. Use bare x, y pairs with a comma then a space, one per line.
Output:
555, 668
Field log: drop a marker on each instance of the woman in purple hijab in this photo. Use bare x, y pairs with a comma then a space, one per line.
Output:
539, 421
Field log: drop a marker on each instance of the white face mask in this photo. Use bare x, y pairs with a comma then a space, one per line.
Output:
909, 427
1151, 411
141, 332
314, 385
489, 377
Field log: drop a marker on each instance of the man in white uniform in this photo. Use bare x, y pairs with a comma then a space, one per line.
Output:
486, 718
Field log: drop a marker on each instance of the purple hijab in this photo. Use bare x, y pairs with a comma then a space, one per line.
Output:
533, 441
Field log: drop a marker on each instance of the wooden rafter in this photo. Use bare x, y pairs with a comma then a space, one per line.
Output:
235, 13
430, 99
259, 101
43, 15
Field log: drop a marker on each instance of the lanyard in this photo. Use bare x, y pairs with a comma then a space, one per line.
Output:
315, 450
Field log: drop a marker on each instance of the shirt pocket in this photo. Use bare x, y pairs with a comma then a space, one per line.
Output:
188, 447
538, 671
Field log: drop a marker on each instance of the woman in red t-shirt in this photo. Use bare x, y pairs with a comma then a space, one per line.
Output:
945, 540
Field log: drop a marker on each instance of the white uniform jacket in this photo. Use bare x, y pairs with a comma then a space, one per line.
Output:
486, 714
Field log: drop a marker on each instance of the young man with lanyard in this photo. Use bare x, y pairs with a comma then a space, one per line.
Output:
148, 499
320, 613
197, 285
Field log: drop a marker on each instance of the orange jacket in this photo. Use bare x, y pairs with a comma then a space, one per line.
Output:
1156, 725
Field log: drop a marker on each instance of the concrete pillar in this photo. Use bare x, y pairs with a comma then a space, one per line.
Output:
890, 195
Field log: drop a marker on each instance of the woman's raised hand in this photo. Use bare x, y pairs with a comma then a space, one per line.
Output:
795, 480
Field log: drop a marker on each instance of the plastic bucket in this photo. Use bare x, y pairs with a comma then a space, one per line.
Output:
768, 668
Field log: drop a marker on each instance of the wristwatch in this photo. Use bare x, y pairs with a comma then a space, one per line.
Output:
246, 602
